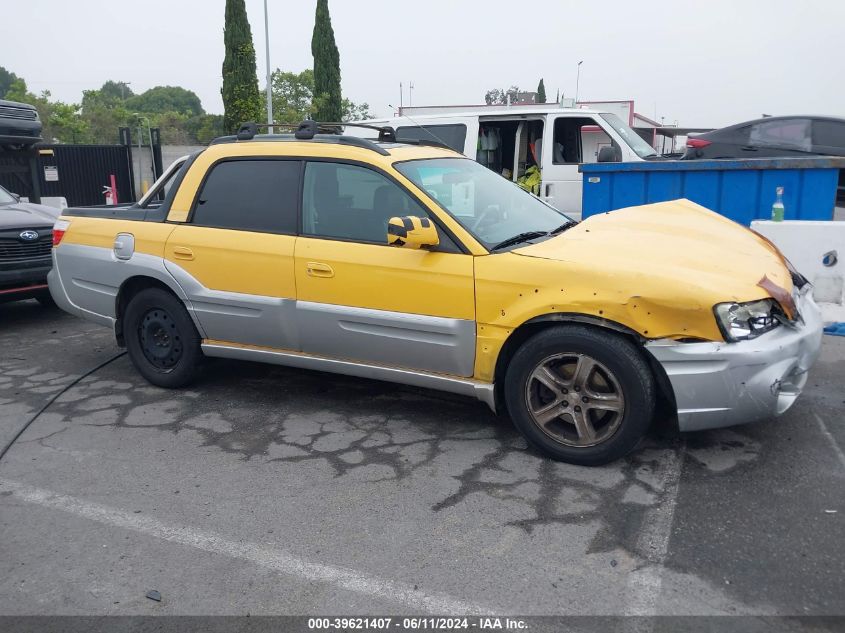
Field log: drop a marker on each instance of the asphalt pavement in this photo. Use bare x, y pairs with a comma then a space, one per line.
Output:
266, 490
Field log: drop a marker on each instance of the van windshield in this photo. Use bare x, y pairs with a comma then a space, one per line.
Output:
634, 140
493, 209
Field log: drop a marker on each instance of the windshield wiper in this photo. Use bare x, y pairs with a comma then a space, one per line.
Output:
516, 239
563, 227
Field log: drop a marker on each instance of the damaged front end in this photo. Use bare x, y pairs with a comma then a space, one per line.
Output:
757, 375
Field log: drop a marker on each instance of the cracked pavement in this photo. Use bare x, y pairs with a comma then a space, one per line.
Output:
413, 488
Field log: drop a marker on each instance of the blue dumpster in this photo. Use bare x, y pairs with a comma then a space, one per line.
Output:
742, 190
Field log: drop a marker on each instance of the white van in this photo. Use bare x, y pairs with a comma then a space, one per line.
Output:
509, 140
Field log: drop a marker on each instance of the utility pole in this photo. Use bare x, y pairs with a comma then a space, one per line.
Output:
577, 82
269, 74
401, 97
411, 93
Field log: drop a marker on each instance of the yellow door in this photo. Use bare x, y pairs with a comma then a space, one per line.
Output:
358, 298
234, 256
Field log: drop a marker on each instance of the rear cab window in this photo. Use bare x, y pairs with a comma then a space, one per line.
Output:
250, 195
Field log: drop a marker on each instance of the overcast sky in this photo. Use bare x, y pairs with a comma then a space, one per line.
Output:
701, 63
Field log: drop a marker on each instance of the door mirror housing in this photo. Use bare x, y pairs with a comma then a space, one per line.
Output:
412, 232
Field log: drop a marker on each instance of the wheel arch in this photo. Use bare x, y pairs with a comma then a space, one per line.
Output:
666, 405
131, 287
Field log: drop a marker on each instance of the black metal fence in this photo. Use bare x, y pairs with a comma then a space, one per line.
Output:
78, 173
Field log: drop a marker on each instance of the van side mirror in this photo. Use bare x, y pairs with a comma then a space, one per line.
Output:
412, 232
609, 154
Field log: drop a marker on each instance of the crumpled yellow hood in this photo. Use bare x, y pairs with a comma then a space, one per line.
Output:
669, 258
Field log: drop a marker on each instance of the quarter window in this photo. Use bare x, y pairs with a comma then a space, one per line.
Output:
829, 133
250, 195
351, 202
788, 134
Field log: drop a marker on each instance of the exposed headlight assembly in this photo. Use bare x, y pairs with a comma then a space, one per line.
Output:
743, 321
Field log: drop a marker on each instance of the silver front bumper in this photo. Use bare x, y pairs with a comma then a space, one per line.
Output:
722, 384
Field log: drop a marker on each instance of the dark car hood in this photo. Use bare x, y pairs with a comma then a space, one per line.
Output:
26, 214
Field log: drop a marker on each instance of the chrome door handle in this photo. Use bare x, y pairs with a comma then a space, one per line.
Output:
317, 269
183, 252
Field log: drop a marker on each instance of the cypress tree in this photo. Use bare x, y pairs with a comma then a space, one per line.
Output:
327, 98
541, 92
241, 102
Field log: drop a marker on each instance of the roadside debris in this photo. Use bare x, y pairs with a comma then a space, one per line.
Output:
152, 594
836, 329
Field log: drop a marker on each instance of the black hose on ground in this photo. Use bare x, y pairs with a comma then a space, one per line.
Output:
64, 390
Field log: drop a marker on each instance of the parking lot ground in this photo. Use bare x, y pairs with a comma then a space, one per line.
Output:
265, 490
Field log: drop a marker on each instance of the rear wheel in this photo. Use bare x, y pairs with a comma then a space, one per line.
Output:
580, 394
161, 339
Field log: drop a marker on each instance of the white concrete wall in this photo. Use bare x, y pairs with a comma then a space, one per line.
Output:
143, 161
805, 244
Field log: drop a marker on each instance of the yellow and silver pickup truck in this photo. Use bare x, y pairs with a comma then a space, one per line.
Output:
404, 262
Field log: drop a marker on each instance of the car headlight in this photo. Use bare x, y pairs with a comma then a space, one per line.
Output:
742, 321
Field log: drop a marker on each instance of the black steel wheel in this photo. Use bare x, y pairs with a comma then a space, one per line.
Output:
161, 338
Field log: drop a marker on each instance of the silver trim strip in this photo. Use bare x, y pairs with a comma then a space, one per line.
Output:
421, 342
475, 389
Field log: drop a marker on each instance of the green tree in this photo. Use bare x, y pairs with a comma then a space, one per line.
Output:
356, 111
541, 92
241, 101
204, 128
293, 98
500, 96
327, 98
293, 94
166, 99
61, 122
6, 80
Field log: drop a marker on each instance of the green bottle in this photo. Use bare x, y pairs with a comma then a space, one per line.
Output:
777, 207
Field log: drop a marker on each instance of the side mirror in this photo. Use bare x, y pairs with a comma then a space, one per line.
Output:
17, 197
609, 154
412, 232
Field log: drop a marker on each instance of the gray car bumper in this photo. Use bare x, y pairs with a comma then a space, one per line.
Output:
722, 384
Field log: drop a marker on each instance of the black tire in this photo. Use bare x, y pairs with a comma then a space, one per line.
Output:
620, 377
46, 300
161, 339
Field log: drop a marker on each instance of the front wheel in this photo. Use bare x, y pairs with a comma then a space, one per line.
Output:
161, 339
580, 394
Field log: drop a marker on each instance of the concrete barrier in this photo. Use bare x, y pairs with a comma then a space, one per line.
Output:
817, 250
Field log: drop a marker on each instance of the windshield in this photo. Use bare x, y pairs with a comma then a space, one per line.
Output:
488, 206
633, 139
6, 197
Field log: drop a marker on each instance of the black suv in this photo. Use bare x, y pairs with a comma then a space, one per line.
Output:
26, 245
19, 124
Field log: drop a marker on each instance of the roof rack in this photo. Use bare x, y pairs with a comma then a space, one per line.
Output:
325, 132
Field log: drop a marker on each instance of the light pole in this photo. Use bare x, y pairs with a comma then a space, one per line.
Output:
269, 74
578, 81
150, 137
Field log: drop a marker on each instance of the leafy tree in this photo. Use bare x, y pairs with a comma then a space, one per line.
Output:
293, 99
356, 111
204, 128
163, 99
500, 96
117, 90
61, 121
541, 92
293, 94
6, 80
241, 100
328, 102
